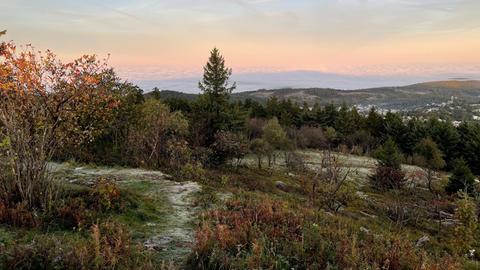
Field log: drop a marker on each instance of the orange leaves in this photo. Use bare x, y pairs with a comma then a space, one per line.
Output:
47, 104
71, 92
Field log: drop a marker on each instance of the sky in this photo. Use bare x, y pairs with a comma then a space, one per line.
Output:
164, 41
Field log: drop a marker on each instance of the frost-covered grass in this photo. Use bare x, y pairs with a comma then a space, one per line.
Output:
162, 218
159, 216
233, 203
272, 218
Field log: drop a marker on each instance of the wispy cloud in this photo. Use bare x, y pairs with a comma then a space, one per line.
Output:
331, 35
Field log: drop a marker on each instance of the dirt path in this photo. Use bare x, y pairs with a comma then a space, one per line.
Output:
170, 230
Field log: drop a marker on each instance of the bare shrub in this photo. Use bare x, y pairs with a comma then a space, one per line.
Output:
255, 128
228, 146
329, 180
388, 178
310, 137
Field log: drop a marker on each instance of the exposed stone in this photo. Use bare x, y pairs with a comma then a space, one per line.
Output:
281, 185
158, 243
445, 215
421, 242
367, 214
361, 195
364, 230
449, 222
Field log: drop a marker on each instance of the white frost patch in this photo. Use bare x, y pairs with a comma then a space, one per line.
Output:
176, 233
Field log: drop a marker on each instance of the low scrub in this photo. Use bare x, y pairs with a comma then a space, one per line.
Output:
258, 233
107, 246
388, 178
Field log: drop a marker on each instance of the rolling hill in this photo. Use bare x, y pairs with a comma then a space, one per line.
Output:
396, 98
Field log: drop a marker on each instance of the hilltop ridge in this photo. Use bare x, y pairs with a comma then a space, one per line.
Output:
394, 97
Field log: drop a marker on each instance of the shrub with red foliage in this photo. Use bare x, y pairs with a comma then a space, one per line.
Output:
105, 195
18, 215
73, 214
263, 233
388, 178
109, 246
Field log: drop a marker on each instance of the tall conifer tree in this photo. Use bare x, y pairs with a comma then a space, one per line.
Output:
213, 111
215, 83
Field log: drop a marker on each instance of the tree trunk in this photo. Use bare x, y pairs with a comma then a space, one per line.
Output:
429, 179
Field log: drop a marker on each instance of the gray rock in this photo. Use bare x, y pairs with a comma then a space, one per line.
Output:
367, 214
445, 215
421, 242
281, 185
364, 230
450, 222
361, 195
158, 243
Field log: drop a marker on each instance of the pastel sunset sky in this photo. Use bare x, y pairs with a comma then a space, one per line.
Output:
170, 39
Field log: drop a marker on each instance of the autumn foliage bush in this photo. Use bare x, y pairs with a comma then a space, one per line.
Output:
105, 195
263, 233
107, 246
45, 103
18, 215
78, 210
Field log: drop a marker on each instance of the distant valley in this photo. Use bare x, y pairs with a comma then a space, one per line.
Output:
409, 97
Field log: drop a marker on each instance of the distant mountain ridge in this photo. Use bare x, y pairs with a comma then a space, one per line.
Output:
402, 97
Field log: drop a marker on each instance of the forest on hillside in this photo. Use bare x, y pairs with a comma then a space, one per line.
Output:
277, 185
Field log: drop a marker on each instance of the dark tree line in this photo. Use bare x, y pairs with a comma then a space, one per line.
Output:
359, 132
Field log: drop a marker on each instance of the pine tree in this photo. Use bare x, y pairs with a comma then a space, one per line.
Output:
213, 112
375, 123
388, 155
388, 174
469, 145
447, 138
216, 75
462, 178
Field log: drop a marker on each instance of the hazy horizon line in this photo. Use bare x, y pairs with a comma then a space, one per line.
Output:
296, 79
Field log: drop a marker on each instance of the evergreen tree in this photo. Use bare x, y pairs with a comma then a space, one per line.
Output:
447, 138
395, 128
212, 111
469, 145
328, 115
156, 93
215, 83
388, 155
273, 107
374, 123
432, 158
462, 178
343, 122
388, 174
416, 131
